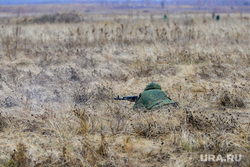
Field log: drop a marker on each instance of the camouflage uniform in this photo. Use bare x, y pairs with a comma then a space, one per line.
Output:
152, 98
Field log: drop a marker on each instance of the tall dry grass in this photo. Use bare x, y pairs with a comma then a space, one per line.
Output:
58, 80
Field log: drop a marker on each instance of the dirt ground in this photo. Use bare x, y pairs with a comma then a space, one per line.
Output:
59, 74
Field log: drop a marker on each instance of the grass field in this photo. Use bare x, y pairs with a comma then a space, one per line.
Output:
59, 74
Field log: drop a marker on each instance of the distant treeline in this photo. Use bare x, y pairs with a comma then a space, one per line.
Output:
132, 2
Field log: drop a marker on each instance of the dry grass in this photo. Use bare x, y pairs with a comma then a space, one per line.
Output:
58, 80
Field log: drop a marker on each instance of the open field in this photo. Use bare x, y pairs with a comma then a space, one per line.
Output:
13, 10
59, 74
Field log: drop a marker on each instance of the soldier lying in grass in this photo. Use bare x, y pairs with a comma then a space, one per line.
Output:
151, 99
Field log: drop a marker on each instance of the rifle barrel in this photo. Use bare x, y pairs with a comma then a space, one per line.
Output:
129, 98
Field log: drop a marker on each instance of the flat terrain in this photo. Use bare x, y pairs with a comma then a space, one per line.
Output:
60, 72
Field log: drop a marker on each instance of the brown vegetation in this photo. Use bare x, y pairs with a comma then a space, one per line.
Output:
57, 83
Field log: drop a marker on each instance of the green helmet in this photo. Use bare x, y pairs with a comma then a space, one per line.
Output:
153, 85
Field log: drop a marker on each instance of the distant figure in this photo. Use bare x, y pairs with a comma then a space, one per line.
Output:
153, 98
165, 17
218, 17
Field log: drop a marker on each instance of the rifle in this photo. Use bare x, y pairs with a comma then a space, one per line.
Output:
129, 98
